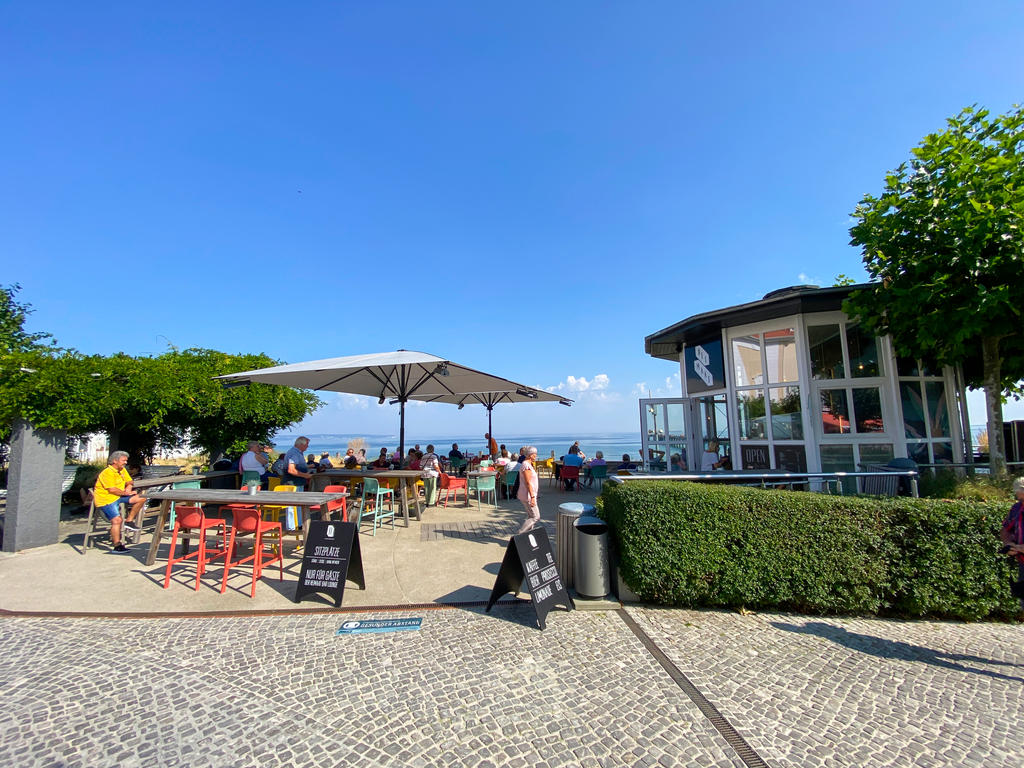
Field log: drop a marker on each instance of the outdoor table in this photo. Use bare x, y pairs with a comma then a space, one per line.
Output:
222, 496
407, 483
155, 482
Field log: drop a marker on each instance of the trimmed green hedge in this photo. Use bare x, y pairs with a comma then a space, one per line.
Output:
691, 544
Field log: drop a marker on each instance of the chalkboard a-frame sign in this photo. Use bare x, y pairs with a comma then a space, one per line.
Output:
331, 556
528, 555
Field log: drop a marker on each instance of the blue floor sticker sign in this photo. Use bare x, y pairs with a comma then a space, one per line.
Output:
378, 625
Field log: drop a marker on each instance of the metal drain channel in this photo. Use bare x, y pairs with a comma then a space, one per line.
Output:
710, 711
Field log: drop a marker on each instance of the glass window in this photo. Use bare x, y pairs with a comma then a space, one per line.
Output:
835, 412
677, 457
867, 407
907, 366
755, 457
791, 458
863, 353
746, 357
913, 409
780, 352
938, 413
676, 422
826, 349
655, 424
787, 423
839, 458
943, 452
750, 414
876, 453
918, 452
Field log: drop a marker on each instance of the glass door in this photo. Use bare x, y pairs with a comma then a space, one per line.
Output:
711, 426
663, 434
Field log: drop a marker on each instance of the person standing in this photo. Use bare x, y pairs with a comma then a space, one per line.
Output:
114, 487
528, 486
1013, 535
492, 446
430, 468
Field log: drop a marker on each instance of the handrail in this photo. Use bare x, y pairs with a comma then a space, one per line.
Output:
782, 478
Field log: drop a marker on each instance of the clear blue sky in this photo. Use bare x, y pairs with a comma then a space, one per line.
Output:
525, 188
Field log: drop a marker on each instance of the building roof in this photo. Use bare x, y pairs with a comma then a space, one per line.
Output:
668, 342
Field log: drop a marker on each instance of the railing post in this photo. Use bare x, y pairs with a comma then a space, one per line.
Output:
913, 486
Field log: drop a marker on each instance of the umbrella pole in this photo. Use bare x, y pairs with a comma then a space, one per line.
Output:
401, 431
490, 429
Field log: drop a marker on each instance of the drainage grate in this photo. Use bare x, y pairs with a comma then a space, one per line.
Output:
709, 710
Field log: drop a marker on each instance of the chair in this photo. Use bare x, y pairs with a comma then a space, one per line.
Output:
457, 465
247, 520
334, 506
374, 494
484, 485
569, 473
273, 482
191, 518
509, 481
274, 515
451, 485
485, 463
599, 473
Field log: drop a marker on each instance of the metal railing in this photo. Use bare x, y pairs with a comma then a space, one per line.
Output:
776, 479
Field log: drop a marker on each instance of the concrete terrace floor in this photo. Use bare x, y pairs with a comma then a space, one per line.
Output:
636, 686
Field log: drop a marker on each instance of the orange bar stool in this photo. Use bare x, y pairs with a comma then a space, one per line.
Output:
248, 521
189, 519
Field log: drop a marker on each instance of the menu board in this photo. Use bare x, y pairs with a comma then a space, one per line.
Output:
331, 555
528, 557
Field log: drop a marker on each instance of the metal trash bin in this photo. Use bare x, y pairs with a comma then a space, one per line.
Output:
593, 576
565, 538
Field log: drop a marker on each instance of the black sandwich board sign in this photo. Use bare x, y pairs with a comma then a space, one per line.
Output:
331, 556
528, 555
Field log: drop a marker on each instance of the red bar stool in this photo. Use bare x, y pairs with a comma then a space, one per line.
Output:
334, 506
189, 519
248, 520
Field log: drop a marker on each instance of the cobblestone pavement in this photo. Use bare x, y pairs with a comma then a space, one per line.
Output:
477, 689
855, 692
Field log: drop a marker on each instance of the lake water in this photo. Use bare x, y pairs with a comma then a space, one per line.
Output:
613, 444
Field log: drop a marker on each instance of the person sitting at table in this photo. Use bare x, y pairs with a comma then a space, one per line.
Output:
455, 458
297, 471
114, 486
572, 459
677, 463
412, 461
382, 461
626, 463
361, 457
710, 460
252, 464
597, 461
325, 460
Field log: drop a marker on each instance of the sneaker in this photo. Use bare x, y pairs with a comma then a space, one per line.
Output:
132, 526
120, 548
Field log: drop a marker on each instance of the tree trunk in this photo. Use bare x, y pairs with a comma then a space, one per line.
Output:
994, 404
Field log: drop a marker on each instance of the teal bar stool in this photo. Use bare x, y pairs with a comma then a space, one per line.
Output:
375, 495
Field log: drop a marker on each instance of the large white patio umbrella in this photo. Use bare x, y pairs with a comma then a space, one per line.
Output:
399, 377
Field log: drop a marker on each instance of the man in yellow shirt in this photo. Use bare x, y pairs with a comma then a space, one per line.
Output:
114, 486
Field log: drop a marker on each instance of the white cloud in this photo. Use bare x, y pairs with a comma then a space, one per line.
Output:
670, 388
598, 383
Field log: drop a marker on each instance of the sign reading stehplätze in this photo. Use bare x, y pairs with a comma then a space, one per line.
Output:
528, 557
331, 556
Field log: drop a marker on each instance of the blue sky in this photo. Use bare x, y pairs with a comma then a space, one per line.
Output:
526, 188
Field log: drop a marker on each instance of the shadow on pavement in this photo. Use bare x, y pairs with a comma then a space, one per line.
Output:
895, 649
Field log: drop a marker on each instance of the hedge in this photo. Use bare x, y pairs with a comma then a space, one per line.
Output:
691, 544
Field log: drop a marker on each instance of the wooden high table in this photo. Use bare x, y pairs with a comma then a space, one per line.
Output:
223, 496
406, 478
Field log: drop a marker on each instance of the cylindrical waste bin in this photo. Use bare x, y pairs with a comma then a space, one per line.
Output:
593, 576
565, 538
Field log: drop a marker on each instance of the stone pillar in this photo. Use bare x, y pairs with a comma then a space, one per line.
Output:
33, 486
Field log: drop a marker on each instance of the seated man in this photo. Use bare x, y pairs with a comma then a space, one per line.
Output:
457, 460
325, 460
572, 459
114, 486
626, 463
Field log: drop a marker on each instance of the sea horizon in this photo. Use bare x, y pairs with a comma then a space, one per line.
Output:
612, 444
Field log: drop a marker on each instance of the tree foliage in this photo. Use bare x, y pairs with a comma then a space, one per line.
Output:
143, 403
944, 241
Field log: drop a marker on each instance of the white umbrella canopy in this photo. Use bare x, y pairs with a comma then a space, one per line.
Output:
397, 376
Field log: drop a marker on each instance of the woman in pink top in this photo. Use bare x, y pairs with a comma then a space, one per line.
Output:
528, 489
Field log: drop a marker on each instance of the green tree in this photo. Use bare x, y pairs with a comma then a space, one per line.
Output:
13, 336
945, 242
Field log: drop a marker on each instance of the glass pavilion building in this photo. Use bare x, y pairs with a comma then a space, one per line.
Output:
790, 383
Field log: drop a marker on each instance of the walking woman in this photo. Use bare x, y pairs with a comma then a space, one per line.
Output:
528, 489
